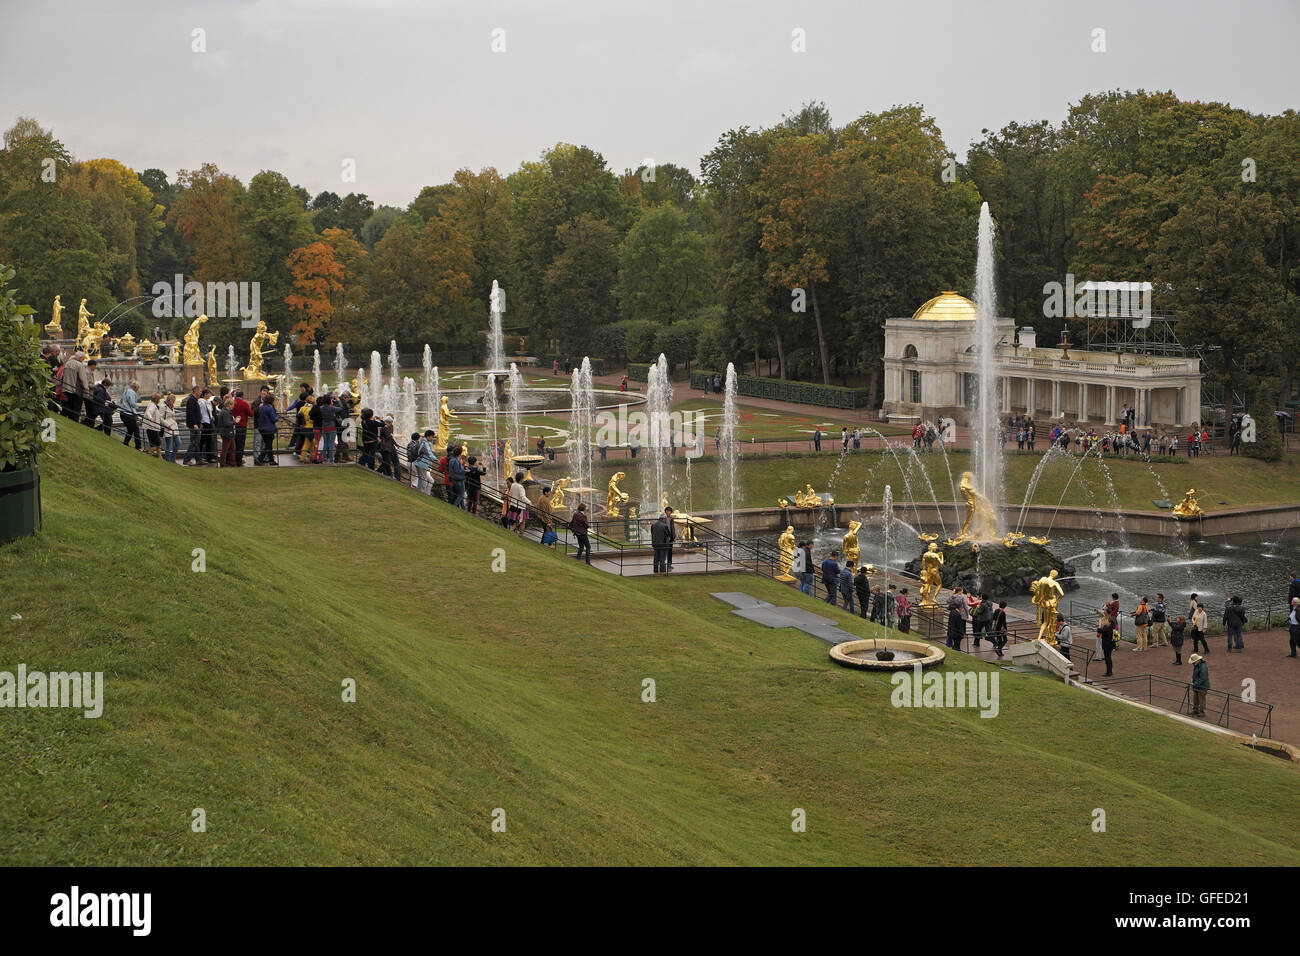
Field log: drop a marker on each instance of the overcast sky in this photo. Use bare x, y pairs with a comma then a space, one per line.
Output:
411, 89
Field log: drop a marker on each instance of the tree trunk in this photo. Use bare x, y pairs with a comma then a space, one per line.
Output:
821, 338
780, 354
758, 369
873, 381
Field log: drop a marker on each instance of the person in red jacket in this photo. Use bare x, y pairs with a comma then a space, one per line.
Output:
242, 412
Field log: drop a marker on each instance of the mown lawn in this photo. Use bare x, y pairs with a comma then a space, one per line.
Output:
522, 691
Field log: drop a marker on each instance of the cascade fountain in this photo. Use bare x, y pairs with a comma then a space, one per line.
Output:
287, 383
315, 369
728, 451
582, 420
659, 399
986, 452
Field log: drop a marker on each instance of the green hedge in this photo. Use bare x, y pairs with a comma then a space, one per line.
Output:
640, 372
802, 393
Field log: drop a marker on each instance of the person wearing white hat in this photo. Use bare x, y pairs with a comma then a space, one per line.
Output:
1200, 683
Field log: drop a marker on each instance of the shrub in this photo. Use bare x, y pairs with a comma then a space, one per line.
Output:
24, 381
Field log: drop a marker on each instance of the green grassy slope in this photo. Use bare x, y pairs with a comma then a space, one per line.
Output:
522, 691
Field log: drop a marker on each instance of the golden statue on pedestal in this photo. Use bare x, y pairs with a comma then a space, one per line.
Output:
931, 576
787, 544
55, 327
557, 493
212, 368
445, 415
851, 551
84, 316
1189, 507
1046, 593
256, 349
191, 354
981, 522
614, 496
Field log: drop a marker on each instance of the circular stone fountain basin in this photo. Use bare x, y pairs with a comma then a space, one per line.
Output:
862, 654
539, 399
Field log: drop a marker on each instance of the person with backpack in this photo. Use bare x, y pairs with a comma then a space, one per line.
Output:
1141, 620
419, 456
329, 425
846, 586
1159, 623
226, 432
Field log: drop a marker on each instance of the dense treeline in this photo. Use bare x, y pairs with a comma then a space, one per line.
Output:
789, 253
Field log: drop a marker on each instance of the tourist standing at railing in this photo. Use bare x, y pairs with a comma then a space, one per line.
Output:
193, 450
242, 412
1111, 610
904, 611
456, 472
831, 576
981, 619
998, 629
1106, 642
388, 461
817, 438
421, 461
153, 417
329, 424
474, 472
862, 585
316, 421
129, 410
580, 526
69, 375
226, 432
1177, 630
1141, 621
846, 586
518, 504
170, 429
303, 432
1200, 684
266, 419
956, 622
208, 426
369, 438
672, 535
879, 607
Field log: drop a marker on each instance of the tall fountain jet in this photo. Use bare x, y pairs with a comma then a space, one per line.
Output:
986, 450
315, 370
658, 401
496, 352
727, 452
340, 365
582, 422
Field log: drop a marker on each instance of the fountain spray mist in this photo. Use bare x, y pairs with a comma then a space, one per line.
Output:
658, 400
582, 421
986, 450
340, 365
315, 369
287, 382
728, 451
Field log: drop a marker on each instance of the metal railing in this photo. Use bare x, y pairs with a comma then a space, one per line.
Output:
1255, 717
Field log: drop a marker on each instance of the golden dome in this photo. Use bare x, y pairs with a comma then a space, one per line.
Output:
946, 307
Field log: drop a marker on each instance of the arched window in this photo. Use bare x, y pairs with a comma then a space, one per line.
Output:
909, 352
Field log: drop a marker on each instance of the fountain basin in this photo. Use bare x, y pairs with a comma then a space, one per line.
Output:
534, 399
862, 654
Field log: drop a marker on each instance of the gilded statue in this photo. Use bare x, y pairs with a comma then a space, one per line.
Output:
1046, 592
931, 576
191, 354
783, 503
84, 316
256, 349
981, 522
507, 462
146, 350
557, 493
807, 498
1012, 538
94, 339
1189, 507
1039, 541
445, 415
787, 545
928, 536
55, 326
851, 551
614, 496
212, 367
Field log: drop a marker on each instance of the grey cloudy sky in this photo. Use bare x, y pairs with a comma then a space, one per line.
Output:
412, 90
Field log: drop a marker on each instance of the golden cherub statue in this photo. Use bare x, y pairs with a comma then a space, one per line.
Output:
787, 545
851, 550
1189, 507
213, 380
191, 354
445, 415
931, 576
55, 326
256, 349
1046, 592
84, 316
614, 496
1012, 538
783, 503
1034, 539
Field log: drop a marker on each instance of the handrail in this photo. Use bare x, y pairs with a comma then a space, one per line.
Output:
1225, 715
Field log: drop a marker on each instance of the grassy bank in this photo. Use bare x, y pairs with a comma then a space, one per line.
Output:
522, 691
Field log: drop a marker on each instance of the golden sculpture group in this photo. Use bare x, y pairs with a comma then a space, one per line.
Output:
981, 522
256, 349
1189, 507
809, 499
614, 495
